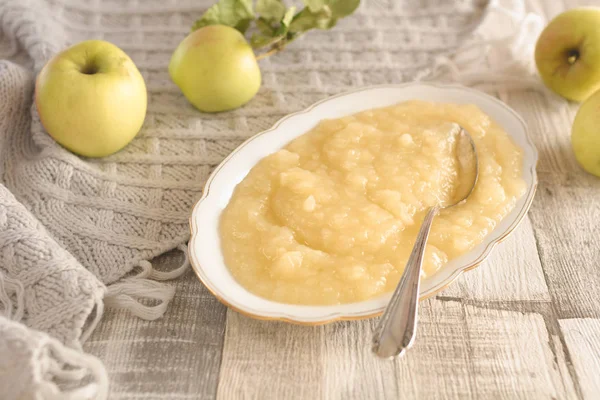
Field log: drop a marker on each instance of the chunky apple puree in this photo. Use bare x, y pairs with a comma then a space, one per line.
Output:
333, 216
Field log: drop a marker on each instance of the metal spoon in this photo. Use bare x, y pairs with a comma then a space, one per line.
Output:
396, 330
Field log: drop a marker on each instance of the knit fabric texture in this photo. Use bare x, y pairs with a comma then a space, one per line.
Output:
112, 212
69, 225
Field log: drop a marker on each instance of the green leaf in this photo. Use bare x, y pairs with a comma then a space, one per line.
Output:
325, 18
284, 26
276, 25
234, 13
343, 8
315, 5
259, 41
271, 10
288, 16
243, 25
269, 35
265, 27
306, 20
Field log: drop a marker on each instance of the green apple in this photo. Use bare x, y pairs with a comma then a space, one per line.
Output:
91, 98
567, 53
585, 135
215, 68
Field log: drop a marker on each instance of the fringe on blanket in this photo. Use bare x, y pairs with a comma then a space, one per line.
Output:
52, 365
131, 293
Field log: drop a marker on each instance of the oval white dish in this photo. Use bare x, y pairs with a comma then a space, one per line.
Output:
204, 245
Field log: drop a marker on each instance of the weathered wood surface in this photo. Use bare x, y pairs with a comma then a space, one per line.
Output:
582, 337
177, 358
525, 325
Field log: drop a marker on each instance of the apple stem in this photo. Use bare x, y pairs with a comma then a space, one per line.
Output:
572, 56
266, 54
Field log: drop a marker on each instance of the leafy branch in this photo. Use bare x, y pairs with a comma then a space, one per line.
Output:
274, 24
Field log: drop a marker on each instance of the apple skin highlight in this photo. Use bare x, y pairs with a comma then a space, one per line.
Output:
91, 98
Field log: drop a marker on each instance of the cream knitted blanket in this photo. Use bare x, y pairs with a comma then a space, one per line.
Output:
76, 235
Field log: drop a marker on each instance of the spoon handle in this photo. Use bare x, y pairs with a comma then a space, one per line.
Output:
398, 324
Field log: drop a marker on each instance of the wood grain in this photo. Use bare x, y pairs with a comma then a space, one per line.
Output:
270, 360
441, 351
462, 352
582, 337
176, 357
512, 357
513, 272
565, 211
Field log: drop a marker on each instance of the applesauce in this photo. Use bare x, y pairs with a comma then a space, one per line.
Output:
333, 216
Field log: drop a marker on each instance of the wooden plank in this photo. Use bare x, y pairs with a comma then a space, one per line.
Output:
565, 212
513, 272
462, 352
567, 379
176, 356
470, 352
270, 360
550, 128
582, 337
569, 246
438, 367
350, 370
512, 357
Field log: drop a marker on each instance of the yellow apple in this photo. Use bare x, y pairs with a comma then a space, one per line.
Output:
215, 68
567, 53
585, 135
91, 98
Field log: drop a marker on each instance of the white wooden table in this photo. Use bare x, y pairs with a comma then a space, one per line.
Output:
526, 324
